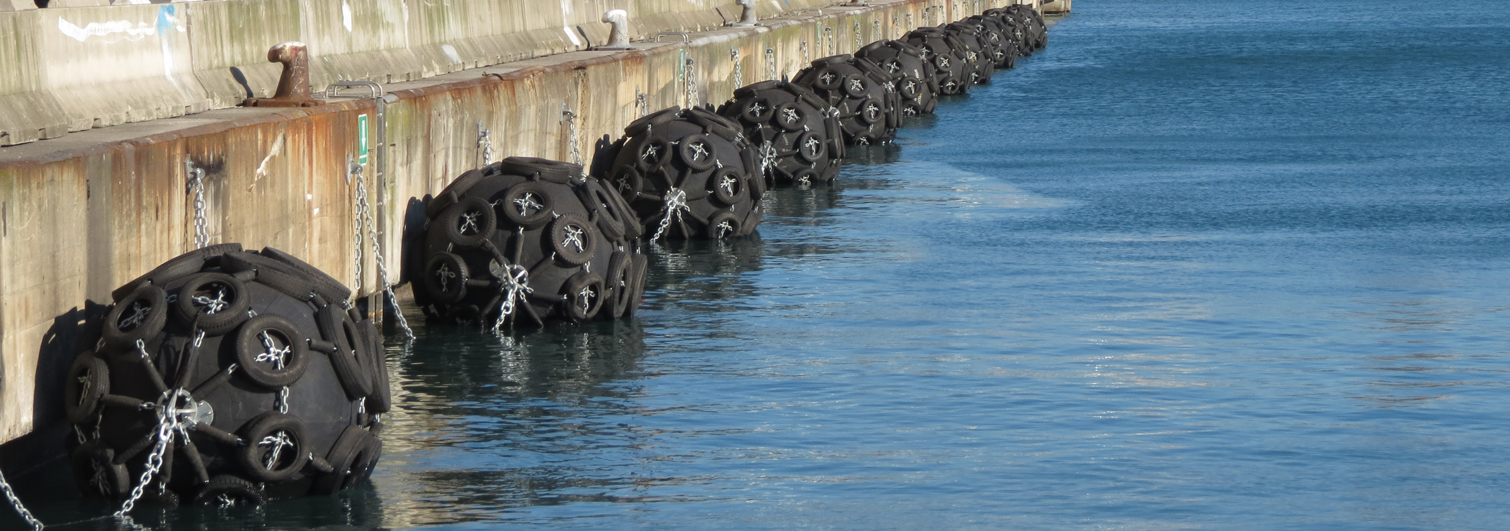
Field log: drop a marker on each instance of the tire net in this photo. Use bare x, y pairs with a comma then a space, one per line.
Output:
527, 242
913, 76
863, 97
797, 140
227, 377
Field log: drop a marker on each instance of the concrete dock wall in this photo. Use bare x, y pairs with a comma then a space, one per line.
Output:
87, 211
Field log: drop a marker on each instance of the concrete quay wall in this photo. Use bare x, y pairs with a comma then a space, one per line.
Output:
92, 209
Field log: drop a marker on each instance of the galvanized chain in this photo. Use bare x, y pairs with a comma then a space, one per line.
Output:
859, 39
485, 144
15, 503
168, 421
640, 104
676, 203
739, 75
364, 220
875, 34
283, 400
803, 45
691, 75
833, 46
196, 185
574, 150
770, 61
358, 213
515, 284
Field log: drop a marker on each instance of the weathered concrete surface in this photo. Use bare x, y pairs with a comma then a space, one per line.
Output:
84, 213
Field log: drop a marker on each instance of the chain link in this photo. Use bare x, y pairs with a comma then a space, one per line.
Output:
515, 283
364, 221
803, 45
574, 150
485, 144
283, 400
691, 75
640, 104
833, 45
196, 185
859, 39
676, 203
167, 423
739, 75
15, 503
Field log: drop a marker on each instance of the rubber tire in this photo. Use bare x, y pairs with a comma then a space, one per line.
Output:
116, 477
793, 125
180, 266
741, 187
549, 170
149, 327
328, 287
528, 221
573, 286
249, 345
433, 287
220, 322
440, 203
620, 281
83, 405
260, 426
639, 267
611, 220
689, 157
556, 236
277, 275
344, 455
381, 399
232, 486
721, 217
487, 222
350, 368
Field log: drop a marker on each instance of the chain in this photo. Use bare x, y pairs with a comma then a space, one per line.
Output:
676, 203
364, 220
739, 75
515, 283
859, 39
691, 75
640, 104
876, 32
485, 144
833, 46
196, 185
167, 423
283, 400
803, 45
359, 214
574, 151
770, 61
15, 503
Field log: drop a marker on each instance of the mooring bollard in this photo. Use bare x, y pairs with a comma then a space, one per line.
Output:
293, 85
748, 17
618, 33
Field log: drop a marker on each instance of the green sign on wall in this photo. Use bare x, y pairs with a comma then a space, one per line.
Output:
362, 139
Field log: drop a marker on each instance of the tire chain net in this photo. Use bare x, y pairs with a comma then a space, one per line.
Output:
229, 273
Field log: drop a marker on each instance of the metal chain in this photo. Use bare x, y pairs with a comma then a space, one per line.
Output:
364, 220
485, 144
196, 185
283, 400
691, 75
803, 45
167, 423
676, 203
515, 283
876, 32
15, 503
770, 61
859, 39
640, 104
574, 151
833, 46
358, 213
739, 75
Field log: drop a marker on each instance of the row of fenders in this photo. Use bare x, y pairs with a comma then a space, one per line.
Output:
227, 376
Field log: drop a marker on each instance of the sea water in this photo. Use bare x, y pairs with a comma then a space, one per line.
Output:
1209, 264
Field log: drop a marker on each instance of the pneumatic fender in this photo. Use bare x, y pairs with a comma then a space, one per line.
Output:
1016, 30
966, 40
686, 174
994, 39
230, 359
503, 253
950, 73
912, 76
792, 131
858, 90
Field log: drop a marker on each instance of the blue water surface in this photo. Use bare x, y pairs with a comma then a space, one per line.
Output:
1209, 264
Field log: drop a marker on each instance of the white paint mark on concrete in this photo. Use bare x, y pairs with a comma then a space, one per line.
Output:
450, 53
565, 16
262, 168
131, 31
346, 15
